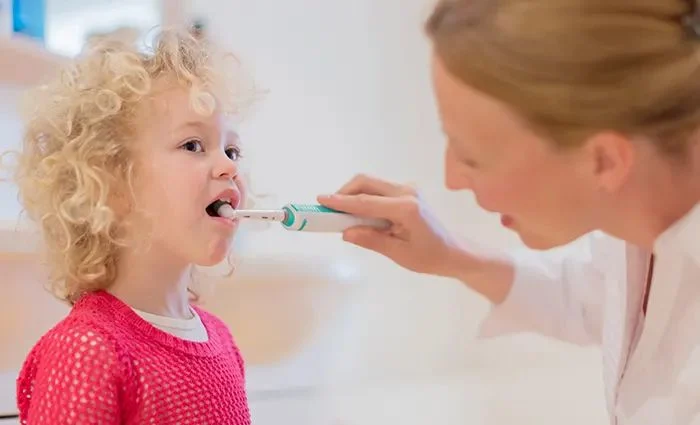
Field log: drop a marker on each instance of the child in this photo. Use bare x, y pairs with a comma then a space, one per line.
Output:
122, 157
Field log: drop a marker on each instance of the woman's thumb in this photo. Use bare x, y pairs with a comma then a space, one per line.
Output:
371, 239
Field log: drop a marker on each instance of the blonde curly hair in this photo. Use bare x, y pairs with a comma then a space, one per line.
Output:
76, 168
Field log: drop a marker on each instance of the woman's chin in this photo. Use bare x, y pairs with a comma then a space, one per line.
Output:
542, 242
538, 244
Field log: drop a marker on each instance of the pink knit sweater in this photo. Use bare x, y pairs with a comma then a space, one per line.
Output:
103, 364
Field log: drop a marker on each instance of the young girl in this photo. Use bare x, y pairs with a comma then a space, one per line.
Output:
122, 157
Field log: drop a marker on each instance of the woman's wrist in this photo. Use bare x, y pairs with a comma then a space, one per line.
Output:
491, 276
460, 263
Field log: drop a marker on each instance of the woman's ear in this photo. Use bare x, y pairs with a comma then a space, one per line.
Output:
611, 157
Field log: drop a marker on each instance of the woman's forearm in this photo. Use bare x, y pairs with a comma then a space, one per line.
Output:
492, 277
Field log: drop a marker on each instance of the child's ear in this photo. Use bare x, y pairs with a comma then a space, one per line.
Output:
194, 296
122, 200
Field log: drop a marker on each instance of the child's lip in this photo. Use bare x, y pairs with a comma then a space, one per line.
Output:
230, 194
226, 222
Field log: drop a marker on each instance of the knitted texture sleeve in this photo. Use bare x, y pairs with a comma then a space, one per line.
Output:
71, 377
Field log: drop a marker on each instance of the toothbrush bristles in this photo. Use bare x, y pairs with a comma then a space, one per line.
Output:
227, 211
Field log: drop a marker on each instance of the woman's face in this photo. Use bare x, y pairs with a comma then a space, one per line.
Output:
548, 197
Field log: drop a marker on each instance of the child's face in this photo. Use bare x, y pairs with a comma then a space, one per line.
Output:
185, 161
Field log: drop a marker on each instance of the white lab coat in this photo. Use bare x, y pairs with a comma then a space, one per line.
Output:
651, 366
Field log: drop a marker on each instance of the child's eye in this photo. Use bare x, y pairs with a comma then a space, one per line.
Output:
234, 153
193, 145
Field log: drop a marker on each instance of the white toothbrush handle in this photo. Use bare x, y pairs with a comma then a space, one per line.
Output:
317, 218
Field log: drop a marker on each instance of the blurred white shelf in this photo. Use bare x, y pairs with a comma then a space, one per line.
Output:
24, 61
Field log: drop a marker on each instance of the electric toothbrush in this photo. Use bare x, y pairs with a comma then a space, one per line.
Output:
302, 217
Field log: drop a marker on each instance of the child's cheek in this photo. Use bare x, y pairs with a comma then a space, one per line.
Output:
242, 183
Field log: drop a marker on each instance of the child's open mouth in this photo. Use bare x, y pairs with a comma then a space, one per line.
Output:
213, 208
223, 206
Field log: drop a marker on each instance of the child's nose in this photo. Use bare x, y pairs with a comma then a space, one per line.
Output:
225, 167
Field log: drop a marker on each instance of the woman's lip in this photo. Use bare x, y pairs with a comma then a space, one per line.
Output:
506, 220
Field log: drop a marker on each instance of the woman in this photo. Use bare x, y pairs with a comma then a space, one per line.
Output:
571, 118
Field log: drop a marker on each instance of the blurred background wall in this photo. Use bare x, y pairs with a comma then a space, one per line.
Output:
349, 91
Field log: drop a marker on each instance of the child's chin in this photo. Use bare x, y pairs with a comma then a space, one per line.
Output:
213, 255
211, 261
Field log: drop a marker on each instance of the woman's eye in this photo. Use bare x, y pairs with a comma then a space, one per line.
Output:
234, 153
193, 146
471, 163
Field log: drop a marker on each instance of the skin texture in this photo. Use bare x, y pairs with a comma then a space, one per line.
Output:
184, 160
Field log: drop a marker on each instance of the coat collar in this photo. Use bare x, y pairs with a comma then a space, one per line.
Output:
682, 237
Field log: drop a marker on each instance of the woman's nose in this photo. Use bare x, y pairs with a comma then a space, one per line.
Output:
454, 181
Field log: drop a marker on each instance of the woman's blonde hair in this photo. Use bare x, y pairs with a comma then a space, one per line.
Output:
575, 67
76, 162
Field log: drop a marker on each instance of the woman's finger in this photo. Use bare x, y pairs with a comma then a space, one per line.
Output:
373, 239
373, 186
389, 208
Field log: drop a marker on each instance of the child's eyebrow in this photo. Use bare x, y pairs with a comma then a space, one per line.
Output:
233, 137
195, 124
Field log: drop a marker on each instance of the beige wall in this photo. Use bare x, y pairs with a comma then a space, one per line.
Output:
26, 309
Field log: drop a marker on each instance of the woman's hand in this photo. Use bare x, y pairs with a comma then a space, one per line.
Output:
415, 240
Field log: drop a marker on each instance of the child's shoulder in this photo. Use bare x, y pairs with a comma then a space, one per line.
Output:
74, 345
80, 355
79, 334
85, 334
215, 324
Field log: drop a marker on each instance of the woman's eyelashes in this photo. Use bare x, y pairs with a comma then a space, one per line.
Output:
197, 146
470, 163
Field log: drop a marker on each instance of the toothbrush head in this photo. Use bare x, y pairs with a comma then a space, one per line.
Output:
226, 211
221, 208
